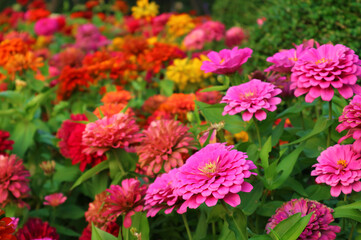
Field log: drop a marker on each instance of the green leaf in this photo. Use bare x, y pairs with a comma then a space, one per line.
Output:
296, 186
295, 231
318, 192
217, 212
69, 211
277, 132
14, 97
218, 88
251, 200
91, 116
261, 237
66, 173
269, 208
91, 172
140, 223
23, 136
201, 230
266, 149
355, 205
98, 234
351, 213
238, 224
66, 231
166, 87
226, 233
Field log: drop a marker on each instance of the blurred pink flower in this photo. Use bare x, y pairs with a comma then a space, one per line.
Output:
318, 226
213, 30
215, 172
234, 37
260, 21
252, 97
54, 199
46, 26
195, 40
339, 167
212, 97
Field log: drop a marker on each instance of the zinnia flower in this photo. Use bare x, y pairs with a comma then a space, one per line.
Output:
117, 131
318, 71
339, 167
121, 96
164, 145
195, 40
6, 228
5, 144
152, 103
234, 37
227, 61
37, 229
95, 213
178, 104
213, 30
54, 199
14, 182
46, 26
214, 172
144, 9
351, 121
318, 226
162, 195
251, 97
125, 200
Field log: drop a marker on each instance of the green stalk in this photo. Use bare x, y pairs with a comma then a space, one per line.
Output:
351, 232
329, 118
258, 133
214, 230
187, 226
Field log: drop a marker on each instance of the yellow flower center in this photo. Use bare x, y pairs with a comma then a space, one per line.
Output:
246, 95
222, 61
322, 60
209, 168
342, 163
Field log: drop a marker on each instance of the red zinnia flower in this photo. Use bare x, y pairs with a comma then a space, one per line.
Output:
4, 143
6, 228
37, 229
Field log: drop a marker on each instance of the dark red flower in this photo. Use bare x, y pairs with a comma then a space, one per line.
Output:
6, 228
5, 144
36, 229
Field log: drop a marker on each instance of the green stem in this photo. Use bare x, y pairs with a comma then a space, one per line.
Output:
351, 232
226, 208
302, 121
119, 163
187, 226
214, 231
345, 198
258, 133
329, 118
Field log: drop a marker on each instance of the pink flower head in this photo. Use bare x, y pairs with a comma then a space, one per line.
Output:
339, 167
227, 61
46, 26
318, 226
213, 30
214, 172
260, 21
14, 182
5, 144
195, 40
351, 121
116, 131
164, 145
251, 97
125, 200
54, 199
162, 195
234, 37
318, 71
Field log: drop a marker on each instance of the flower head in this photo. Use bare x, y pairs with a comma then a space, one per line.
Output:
5, 144
95, 213
48, 167
195, 40
227, 61
54, 199
351, 121
318, 226
6, 228
319, 71
213, 30
125, 200
121, 96
179, 104
37, 229
152, 103
145, 9
117, 131
179, 25
164, 145
46, 26
339, 167
234, 37
252, 97
214, 172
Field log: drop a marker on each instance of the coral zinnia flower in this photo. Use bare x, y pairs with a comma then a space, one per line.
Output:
162, 195
214, 172
227, 61
351, 121
117, 131
318, 226
4, 143
95, 213
55, 199
121, 96
125, 200
251, 97
178, 104
318, 71
6, 228
339, 167
13, 180
37, 229
152, 103
163, 145
109, 109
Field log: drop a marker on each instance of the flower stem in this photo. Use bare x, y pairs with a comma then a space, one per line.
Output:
187, 226
119, 163
352, 229
226, 208
345, 198
214, 230
329, 118
257, 131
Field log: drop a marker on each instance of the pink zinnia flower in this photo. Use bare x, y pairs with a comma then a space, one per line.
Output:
116, 131
351, 121
213, 30
227, 61
234, 37
125, 200
162, 195
54, 199
14, 182
339, 167
37, 229
5, 144
46, 26
318, 226
318, 71
252, 97
195, 40
214, 172
164, 145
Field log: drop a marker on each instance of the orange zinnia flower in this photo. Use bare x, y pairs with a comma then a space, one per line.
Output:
179, 104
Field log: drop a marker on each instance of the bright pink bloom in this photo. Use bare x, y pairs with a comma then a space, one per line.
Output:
46, 26
195, 40
318, 226
339, 167
213, 30
37, 229
260, 21
318, 71
164, 145
234, 37
162, 195
125, 200
14, 182
214, 172
5, 144
351, 121
54, 199
252, 97
227, 61
116, 131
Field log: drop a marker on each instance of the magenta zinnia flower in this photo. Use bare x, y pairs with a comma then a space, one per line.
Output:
125, 200
14, 182
214, 172
164, 145
227, 61
351, 121
55, 199
318, 71
162, 195
116, 131
318, 226
252, 97
37, 229
339, 167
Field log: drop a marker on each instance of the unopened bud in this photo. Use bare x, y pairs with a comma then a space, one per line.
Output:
48, 167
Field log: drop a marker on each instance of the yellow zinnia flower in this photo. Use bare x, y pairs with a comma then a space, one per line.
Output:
144, 9
180, 25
